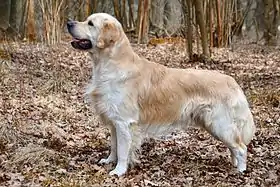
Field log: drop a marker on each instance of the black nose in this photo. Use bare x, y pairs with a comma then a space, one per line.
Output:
70, 24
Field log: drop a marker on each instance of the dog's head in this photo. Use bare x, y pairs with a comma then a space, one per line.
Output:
100, 30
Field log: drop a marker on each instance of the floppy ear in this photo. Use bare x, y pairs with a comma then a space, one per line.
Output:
109, 34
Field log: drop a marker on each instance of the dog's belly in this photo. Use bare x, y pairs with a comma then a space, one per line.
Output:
156, 130
189, 115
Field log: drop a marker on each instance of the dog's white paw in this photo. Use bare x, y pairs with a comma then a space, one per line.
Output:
241, 168
119, 171
104, 161
107, 160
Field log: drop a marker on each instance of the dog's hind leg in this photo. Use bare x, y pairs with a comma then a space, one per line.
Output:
239, 156
233, 158
222, 128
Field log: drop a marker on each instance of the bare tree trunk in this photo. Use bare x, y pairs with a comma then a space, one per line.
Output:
276, 20
143, 20
124, 18
187, 6
228, 22
5, 14
202, 26
173, 17
81, 10
145, 27
30, 24
270, 17
157, 16
222, 9
88, 7
117, 9
139, 20
166, 17
15, 18
94, 6
131, 15
219, 26
210, 15
197, 39
23, 18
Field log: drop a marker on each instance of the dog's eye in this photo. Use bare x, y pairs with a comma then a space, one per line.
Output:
90, 23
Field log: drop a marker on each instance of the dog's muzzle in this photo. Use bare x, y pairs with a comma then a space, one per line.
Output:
82, 44
78, 43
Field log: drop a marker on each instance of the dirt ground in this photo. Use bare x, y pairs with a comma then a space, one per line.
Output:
50, 137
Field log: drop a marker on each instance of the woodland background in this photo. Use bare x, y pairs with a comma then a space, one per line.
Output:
49, 135
216, 22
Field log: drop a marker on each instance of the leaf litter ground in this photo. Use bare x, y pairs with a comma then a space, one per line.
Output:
50, 137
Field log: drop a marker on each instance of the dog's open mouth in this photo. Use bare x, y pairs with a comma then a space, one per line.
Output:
82, 44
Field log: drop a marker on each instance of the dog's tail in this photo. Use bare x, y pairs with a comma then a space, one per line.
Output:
248, 129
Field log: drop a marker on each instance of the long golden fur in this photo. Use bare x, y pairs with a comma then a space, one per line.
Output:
136, 98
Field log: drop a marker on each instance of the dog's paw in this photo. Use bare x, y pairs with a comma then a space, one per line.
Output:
241, 168
119, 171
110, 159
106, 160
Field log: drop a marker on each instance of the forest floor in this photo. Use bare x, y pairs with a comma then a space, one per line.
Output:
49, 136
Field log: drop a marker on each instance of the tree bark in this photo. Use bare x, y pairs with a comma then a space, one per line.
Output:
210, 25
5, 14
157, 16
131, 13
94, 6
187, 6
143, 21
139, 20
271, 18
173, 16
147, 6
30, 24
117, 9
124, 18
202, 26
15, 19
219, 24
88, 7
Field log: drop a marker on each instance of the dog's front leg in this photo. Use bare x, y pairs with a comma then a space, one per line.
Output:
113, 153
123, 146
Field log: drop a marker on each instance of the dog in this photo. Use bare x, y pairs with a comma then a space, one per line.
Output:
137, 98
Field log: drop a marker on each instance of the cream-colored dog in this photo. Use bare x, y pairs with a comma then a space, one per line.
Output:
138, 98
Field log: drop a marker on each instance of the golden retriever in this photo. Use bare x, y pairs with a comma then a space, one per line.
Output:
138, 98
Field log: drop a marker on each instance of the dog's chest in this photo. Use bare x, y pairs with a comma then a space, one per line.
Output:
106, 91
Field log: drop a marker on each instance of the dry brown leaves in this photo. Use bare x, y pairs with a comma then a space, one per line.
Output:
49, 137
